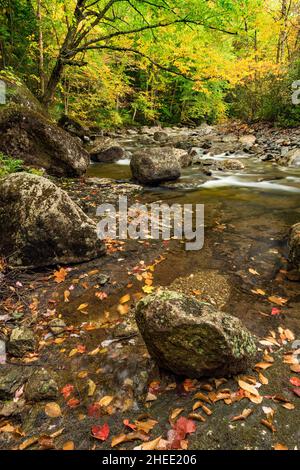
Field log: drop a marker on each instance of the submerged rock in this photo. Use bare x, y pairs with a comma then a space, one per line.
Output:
21, 342
192, 338
294, 246
12, 377
31, 137
43, 226
155, 166
41, 386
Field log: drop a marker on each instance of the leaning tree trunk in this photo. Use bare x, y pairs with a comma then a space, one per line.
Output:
53, 82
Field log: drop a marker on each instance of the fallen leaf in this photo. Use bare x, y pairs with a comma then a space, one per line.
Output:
275, 311
126, 298
253, 271
277, 300
101, 432
91, 388
263, 365
69, 445
83, 307
175, 413
248, 388
28, 442
129, 425
263, 380
101, 295
197, 417
67, 294
268, 425
133, 436
73, 403
146, 426
60, 276
148, 289
67, 390
244, 415
53, 410
280, 447
288, 406
258, 292
295, 368
151, 445
297, 391
105, 401
295, 381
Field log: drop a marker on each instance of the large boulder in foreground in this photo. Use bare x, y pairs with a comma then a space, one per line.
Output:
29, 136
191, 338
290, 159
294, 246
43, 226
155, 165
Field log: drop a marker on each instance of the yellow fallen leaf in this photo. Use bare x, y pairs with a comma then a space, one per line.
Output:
263, 365
263, 380
126, 298
258, 292
73, 352
53, 410
280, 447
253, 271
176, 412
67, 295
105, 401
248, 388
123, 309
277, 300
244, 415
28, 442
83, 307
69, 445
152, 445
92, 388
148, 289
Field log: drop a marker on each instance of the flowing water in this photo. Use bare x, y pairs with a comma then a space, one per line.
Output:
248, 214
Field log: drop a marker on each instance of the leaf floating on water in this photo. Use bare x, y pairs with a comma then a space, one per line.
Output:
53, 410
60, 276
277, 300
69, 445
258, 291
280, 447
295, 381
254, 272
83, 307
125, 299
101, 432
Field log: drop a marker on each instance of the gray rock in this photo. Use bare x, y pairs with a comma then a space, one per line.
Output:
41, 386
43, 226
21, 341
192, 338
57, 326
160, 136
107, 155
291, 158
294, 246
17, 94
40, 143
185, 159
155, 165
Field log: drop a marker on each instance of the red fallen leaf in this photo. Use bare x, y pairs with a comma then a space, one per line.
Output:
94, 410
295, 381
181, 428
101, 432
73, 403
67, 390
297, 391
276, 311
189, 385
127, 423
81, 349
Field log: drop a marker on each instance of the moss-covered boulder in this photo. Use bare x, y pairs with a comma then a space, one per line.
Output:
154, 166
41, 224
294, 246
29, 136
17, 94
191, 338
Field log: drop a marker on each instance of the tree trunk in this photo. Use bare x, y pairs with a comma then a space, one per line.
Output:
53, 82
41, 48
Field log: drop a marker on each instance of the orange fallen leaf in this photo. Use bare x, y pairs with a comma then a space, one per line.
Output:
69, 445
60, 276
